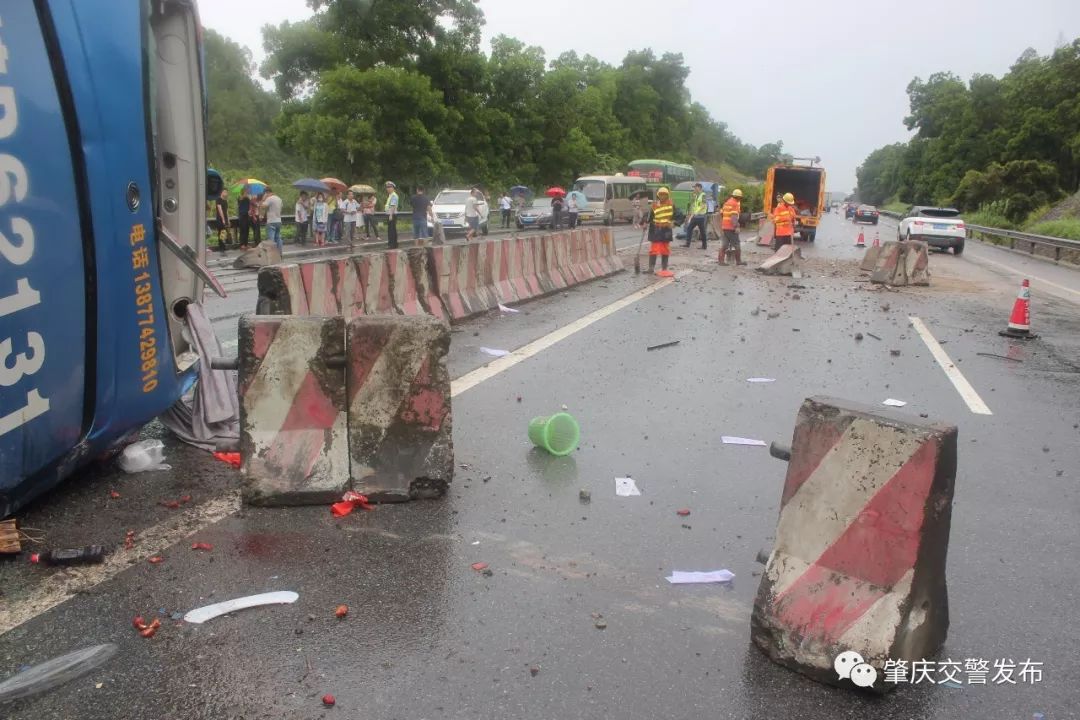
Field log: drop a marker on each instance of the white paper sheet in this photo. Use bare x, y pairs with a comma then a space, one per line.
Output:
495, 352
729, 440
687, 577
626, 487
894, 403
760, 380
504, 309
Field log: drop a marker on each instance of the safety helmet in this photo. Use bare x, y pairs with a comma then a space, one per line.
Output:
737, 193
663, 191
789, 198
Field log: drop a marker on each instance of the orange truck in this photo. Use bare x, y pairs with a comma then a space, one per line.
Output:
807, 184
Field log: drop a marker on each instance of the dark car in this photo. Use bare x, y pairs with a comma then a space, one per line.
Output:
536, 214
867, 214
849, 211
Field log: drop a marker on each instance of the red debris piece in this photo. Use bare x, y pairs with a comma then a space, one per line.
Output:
129, 540
146, 630
328, 700
342, 611
478, 566
682, 513
185, 499
155, 560
233, 458
202, 546
349, 502
114, 495
171, 504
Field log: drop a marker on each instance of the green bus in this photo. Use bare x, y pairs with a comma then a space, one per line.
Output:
667, 173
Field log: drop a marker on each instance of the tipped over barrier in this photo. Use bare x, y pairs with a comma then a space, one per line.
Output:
450, 282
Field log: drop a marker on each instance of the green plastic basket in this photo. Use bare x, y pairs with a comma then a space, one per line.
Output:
558, 434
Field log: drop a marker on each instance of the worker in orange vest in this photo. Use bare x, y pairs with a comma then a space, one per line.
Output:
729, 225
661, 221
783, 217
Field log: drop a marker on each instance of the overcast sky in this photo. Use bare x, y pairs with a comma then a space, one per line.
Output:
827, 77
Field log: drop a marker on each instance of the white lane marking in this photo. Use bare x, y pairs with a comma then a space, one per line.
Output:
472, 379
65, 584
1023, 273
967, 392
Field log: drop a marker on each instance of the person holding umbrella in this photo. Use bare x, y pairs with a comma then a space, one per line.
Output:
391, 208
556, 195
320, 214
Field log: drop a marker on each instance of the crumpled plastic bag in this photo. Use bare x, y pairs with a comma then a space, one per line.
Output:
143, 456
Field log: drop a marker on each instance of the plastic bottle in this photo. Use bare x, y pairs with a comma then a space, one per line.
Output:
91, 554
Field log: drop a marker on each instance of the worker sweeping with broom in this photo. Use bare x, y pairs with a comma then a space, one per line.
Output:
661, 222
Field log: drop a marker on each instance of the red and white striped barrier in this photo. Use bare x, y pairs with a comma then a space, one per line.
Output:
400, 435
457, 276
281, 291
374, 274
859, 559
293, 440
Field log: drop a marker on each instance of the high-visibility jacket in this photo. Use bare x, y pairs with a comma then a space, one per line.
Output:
663, 213
698, 205
783, 218
730, 212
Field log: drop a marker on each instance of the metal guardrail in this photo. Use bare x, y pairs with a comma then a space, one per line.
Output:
1032, 240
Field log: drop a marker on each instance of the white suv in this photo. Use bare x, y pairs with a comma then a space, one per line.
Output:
449, 208
937, 227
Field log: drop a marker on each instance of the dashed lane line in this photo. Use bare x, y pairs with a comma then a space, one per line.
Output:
967, 392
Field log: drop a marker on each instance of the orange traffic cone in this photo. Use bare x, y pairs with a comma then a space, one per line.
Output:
877, 240
861, 242
1020, 320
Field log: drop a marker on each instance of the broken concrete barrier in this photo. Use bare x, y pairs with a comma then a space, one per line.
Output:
869, 259
400, 422
293, 440
859, 559
263, 254
917, 263
901, 263
784, 261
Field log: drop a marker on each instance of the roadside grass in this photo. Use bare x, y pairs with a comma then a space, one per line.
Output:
1064, 228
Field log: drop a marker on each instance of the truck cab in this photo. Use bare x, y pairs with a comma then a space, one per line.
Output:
807, 184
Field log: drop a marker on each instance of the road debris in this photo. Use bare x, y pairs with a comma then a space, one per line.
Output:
494, 352
202, 546
143, 456
56, 672
349, 502
89, 555
504, 309
663, 345
760, 380
873, 335
9, 538
683, 512
584, 496
894, 353
732, 440
689, 577
479, 566
626, 487
147, 630
114, 495
155, 559
209, 612
891, 402
600, 623
341, 611
858, 336
534, 670
1001, 357
329, 700
232, 458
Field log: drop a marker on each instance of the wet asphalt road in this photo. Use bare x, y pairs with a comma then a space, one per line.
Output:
428, 637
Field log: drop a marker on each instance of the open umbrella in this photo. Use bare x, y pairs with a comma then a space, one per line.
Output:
520, 190
255, 187
311, 185
363, 189
580, 199
555, 191
335, 184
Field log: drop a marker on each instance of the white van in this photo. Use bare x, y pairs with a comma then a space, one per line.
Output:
609, 196
449, 208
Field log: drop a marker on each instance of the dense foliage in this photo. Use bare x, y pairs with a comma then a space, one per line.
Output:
1012, 143
401, 89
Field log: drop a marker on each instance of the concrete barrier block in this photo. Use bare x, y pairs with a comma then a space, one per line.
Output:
888, 260
859, 559
917, 263
281, 291
782, 262
551, 276
869, 259
293, 439
263, 254
400, 422
457, 272
375, 279
425, 283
